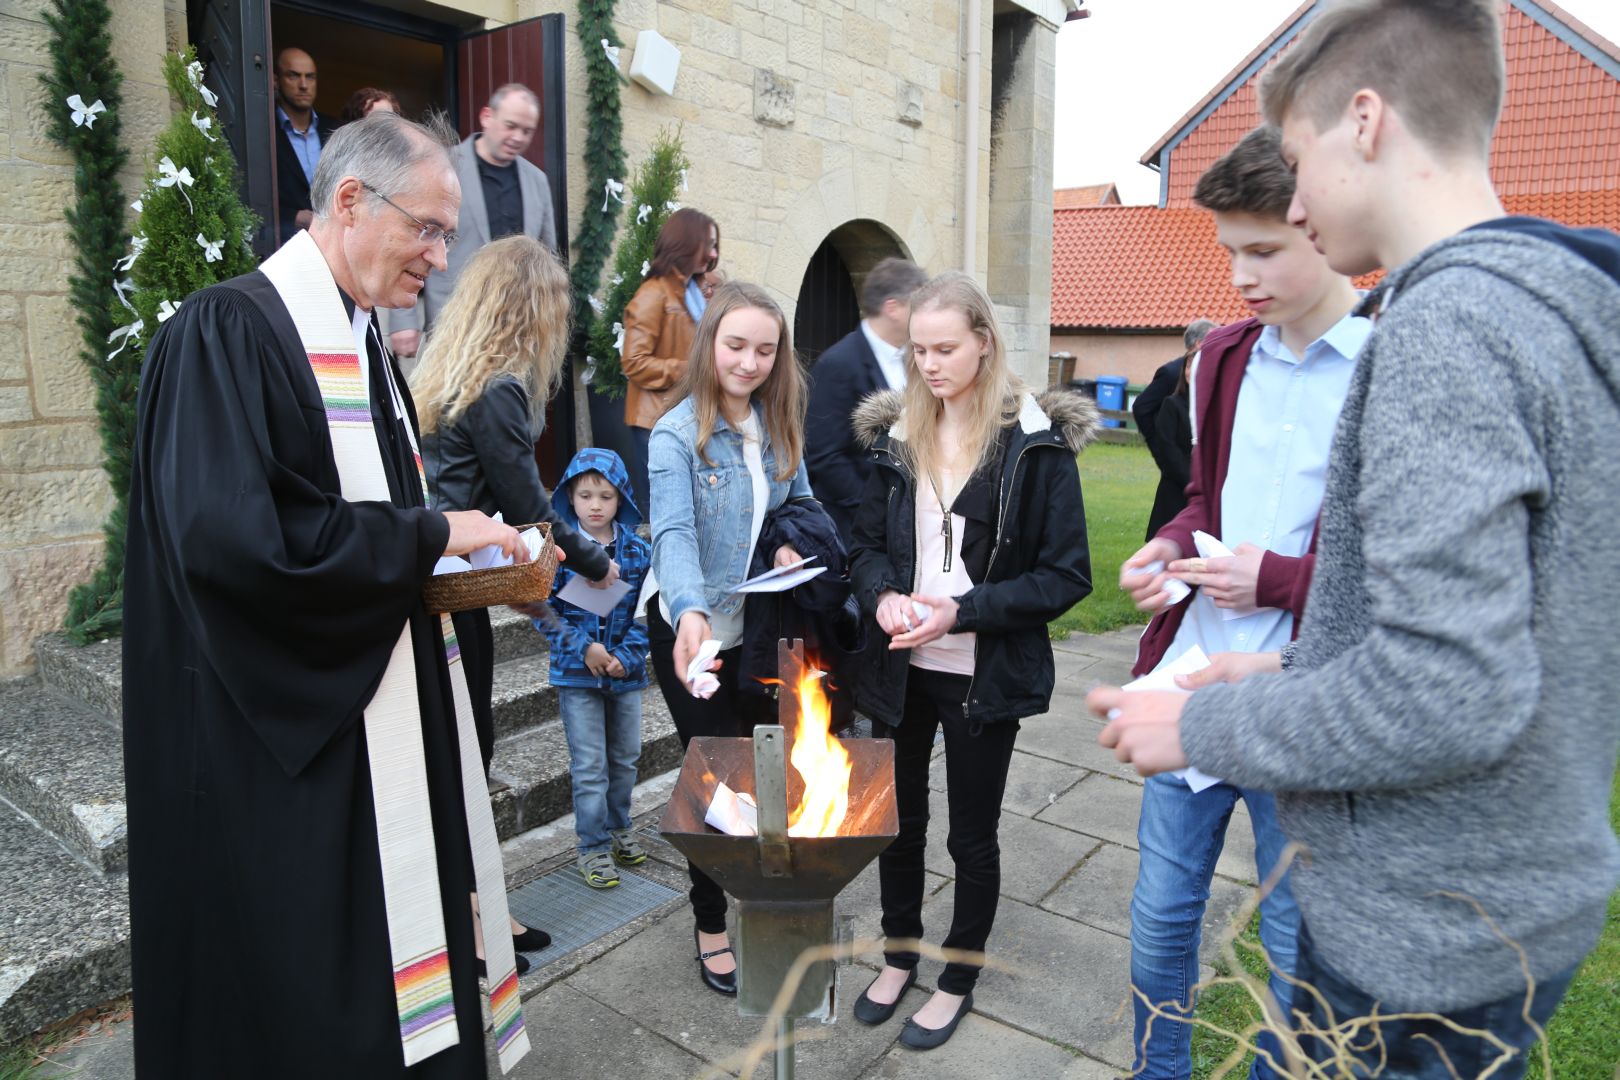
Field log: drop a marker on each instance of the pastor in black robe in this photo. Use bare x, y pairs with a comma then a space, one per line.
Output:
260, 609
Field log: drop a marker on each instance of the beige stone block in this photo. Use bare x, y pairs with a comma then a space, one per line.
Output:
140, 32
43, 507
24, 39
147, 110
20, 272
62, 385
716, 9
761, 51
34, 193
50, 446
13, 340
29, 118
866, 39
714, 36
674, 24
15, 404
25, 9
35, 583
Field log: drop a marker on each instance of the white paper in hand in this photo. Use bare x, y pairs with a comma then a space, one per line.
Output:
1209, 547
1179, 590
601, 602
1164, 678
699, 679
781, 578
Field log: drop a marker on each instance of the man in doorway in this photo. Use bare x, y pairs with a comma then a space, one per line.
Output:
870, 357
307, 808
300, 134
502, 193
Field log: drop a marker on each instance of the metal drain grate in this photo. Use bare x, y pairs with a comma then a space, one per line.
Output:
574, 914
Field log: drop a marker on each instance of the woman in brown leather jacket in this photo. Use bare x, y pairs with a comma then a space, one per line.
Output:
659, 322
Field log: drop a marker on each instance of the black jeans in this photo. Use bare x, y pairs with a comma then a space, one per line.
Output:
1414, 1047
976, 765
729, 713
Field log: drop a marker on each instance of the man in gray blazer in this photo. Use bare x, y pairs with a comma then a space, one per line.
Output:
502, 193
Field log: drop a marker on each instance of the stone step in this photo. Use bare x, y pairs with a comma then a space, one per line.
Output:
64, 930
523, 698
529, 775
91, 674
64, 767
514, 634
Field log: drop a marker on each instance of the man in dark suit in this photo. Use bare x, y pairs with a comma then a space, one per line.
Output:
300, 134
870, 357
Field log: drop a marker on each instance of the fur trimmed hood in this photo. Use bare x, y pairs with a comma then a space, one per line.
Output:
1071, 414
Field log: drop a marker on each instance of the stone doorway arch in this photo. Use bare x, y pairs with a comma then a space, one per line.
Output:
828, 299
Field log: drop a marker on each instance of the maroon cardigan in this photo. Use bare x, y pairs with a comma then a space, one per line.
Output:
1284, 581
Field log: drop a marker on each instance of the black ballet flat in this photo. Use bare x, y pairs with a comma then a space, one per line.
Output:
871, 1012
720, 984
531, 940
521, 963
918, 1037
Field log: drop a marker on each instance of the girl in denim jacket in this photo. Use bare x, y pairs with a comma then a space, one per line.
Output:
721, 460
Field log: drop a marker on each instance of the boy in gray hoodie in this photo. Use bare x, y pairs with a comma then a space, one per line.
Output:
1442, 736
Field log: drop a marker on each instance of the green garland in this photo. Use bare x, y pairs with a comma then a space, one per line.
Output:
604, 159
82, 69
653, 195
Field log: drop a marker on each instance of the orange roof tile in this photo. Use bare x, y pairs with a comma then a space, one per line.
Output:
1090, 195
1143, 268
1557, 132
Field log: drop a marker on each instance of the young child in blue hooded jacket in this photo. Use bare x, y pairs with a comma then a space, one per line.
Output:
599, 666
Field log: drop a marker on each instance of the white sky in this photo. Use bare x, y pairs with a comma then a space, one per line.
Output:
1136, 66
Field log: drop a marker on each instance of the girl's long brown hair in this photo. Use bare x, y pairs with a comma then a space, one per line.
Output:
996, 395
684, 235
781, 395
507, 315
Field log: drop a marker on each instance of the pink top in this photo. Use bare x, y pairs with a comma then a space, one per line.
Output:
940, 573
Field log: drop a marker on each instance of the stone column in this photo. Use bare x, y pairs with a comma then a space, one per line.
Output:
1023, 56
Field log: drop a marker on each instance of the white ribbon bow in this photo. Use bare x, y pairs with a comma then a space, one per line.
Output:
613, 189
612, 52
211, 251
122, 288
618, 338
194, 73
84, 115
137, 244
672, 206
596, 305
136, 206
590, 369
202, 124
641, 214
128, 333
683, 179
179, 179
618, 279
646, 265
167, 309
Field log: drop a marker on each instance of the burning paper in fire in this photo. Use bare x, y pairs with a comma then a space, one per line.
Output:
732, 813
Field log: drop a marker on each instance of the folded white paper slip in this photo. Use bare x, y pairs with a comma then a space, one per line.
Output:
1164, 678
1179, 590
1211, 548
699, 679
451, 564
732, 813
781, 578
582, 594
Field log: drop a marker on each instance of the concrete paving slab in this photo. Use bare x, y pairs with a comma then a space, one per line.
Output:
1117, 645
980, 1048
1098, 893
653, 977
1101, 806
1084, 1068
1063, 981
1033, 782
577, 1036
862, 903
1072, 739
1035, 856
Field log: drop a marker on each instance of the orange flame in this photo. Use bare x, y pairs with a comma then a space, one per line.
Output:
820, 760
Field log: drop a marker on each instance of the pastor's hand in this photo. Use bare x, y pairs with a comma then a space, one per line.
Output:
473, 529
1144, 727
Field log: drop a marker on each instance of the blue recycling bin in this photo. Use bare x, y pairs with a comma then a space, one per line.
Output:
1111, 395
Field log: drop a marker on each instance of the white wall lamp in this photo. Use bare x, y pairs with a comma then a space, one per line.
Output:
656, 62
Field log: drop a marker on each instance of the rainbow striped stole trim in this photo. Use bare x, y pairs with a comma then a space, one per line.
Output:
343, 388
506, 1006
422, 989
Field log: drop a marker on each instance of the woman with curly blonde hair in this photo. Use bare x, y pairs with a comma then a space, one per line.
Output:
494, 358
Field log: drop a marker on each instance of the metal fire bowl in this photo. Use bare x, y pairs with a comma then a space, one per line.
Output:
821, 865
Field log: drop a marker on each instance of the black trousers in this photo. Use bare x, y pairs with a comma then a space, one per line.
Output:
729, 713
477, 643
976, 764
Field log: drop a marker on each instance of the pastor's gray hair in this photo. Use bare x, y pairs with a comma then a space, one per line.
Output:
380, 150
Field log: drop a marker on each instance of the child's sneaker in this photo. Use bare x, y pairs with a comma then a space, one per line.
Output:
598, 870
627, 850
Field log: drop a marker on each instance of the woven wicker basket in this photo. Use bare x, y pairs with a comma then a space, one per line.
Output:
518, 584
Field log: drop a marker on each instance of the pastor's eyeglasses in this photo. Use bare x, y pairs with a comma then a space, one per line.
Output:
428, 233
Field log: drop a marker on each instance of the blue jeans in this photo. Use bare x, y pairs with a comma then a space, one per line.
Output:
604, 743
1181, 836
1414, 1047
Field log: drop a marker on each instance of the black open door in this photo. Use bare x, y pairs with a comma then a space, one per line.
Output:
529, 52
233, 42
